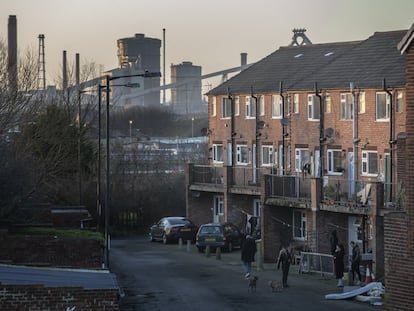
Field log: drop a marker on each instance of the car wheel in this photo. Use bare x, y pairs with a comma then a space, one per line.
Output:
164, 239
230, 247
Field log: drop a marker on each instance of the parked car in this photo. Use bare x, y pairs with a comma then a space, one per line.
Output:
227, 236
171, 229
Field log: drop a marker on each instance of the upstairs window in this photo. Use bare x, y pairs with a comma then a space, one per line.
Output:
237, 106
399, 104
334, 161
302, 157
242, 155
361, 101
382, 107
276, 106
346, 106
261, 105
369, 163
328, 103
217, 153
295, 103
213, 106
250, 107
225, 107
314, 111
267, 155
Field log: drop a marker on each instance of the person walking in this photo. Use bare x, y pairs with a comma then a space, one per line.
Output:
284, 260
355, 262
339, 263
247, 254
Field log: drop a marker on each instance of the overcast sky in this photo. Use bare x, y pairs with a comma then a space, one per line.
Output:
210, 33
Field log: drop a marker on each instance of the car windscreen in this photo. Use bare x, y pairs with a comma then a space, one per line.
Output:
180, 222
210, 230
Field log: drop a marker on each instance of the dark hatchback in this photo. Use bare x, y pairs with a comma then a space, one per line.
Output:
226, 236
171, 229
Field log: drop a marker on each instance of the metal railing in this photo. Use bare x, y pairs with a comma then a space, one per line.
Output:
204, 174
288, 186
316, 263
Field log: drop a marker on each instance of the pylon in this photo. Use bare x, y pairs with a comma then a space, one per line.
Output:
368, 276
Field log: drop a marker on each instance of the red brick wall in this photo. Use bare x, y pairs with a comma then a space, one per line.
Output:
39, 298
76, 253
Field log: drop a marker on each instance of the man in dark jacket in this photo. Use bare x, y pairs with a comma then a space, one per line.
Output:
355, 262
247, 254
284, 259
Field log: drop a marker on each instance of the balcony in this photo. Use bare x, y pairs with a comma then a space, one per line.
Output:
206, 178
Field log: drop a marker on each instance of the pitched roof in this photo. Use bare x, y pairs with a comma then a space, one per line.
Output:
331, 65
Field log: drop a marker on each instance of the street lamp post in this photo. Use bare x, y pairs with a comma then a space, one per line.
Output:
130, 130
192, 127
107, 196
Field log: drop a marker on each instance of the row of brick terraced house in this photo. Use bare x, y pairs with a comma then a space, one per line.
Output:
310, 140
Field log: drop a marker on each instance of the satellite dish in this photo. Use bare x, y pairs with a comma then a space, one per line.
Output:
260, 124
329, 132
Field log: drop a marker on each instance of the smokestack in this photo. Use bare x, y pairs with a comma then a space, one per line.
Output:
243, 59
163, 67
65, 73
12, 53
77, 69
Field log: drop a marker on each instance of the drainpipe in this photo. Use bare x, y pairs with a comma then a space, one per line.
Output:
256, 173
354, 134
233, 136
321, 139
283, 126
391, 141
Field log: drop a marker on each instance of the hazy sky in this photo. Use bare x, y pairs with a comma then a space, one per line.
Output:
211, 34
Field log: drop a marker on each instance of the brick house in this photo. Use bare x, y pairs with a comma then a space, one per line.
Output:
305, 142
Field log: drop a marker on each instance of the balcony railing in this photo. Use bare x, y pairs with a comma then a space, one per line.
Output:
248, 176
288, 187
342, 190
204, 174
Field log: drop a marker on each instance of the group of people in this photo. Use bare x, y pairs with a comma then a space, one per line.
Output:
285, 258
248, 256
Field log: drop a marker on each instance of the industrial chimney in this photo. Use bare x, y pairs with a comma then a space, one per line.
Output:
12, 53
65, 72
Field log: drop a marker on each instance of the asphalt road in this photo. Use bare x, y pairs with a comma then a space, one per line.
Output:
154, 277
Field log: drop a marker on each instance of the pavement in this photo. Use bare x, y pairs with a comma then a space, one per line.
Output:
316, 283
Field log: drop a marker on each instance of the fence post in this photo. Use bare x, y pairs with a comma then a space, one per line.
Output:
218, 253
180, 243
208, 251
188, 245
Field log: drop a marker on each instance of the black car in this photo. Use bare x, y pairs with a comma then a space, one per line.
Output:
171, 229
227, 236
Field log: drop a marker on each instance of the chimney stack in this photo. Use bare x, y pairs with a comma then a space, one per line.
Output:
65, 73
243, 59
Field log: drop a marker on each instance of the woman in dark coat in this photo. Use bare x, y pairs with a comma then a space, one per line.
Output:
339, 264
247, 254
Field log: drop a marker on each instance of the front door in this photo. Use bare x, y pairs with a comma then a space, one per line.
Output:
218, 209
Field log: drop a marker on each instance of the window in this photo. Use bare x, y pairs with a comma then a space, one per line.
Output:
382, 107
334, 161
217, 153
399, 102
369, 163
261, 105
250, 107
218, 205
328, 103
302, 157
313, 107
256, 208
361, 100
267, 155
299, 225
225, 107
295, 103
213, 107
236, 106
346, 106
242, 154
276, 106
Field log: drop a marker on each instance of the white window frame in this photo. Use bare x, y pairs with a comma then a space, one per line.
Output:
250, 110
361, 102
333, 155
276, 107
313, 108
379, 109
213, 106
399, 101
225, 108
302, 156
328, 103
295, 103
242, 155
217, 150
267, 155
219, 205
366, 170
237, 106
261, 105
346, 104
299, 225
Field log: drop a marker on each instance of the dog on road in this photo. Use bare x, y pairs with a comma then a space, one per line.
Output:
252, 283
275, 286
